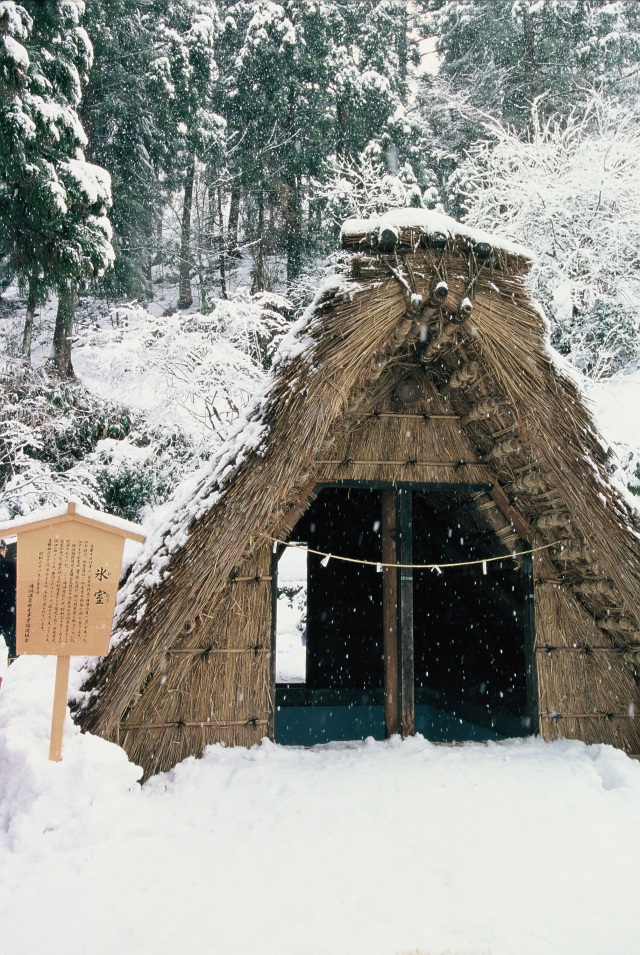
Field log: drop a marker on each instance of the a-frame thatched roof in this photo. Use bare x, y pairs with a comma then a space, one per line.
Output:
414, 298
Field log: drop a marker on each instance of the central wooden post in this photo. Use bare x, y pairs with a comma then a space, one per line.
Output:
390, 611
397, 613
405, 614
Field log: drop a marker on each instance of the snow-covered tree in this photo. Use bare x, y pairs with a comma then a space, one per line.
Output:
497, 58
506, 53
170, 387
275, 77
121, 113
364, 187
20, 177
570, 192
185, 70
307, 81
53, 203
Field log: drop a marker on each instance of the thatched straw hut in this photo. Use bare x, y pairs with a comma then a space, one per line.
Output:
416, 417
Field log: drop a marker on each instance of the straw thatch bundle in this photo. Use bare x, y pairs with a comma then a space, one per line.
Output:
420, 308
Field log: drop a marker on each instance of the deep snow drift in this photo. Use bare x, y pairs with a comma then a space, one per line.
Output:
350, 849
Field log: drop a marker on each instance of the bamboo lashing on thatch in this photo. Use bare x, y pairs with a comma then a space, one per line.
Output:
587, 649
411, 463
256, 579
203, 724
424, 416
207, 650
589, 716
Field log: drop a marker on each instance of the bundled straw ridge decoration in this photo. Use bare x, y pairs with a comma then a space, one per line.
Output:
422, 360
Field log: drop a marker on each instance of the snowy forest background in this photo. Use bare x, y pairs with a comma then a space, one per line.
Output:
173, 174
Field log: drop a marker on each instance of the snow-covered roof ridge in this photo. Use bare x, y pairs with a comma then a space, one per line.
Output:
429, 222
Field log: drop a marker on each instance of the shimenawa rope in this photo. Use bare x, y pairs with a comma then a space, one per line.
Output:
437, 567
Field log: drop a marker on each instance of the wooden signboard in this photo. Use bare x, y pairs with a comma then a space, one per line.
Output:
68, 570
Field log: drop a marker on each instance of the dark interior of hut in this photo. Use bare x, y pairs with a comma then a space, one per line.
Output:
469, 630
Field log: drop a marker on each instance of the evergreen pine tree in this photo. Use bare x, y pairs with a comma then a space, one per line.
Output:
17, 130
55, 232
498, 58
507, 53
275, 74
305, 82
120, 114
185, 73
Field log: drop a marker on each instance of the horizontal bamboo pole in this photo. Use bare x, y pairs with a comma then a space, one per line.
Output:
255, 578
585, 650
180, 724
207, 651
425, 415
349, 462
589, 716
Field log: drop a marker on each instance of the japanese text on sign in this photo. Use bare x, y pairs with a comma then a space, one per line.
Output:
68, 584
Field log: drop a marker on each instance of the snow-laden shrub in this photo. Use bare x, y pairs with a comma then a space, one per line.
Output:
570, 193
364, 187
47, 429
195, 371
140, 472
158, 395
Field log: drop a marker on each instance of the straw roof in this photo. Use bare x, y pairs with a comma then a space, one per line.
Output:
415, 301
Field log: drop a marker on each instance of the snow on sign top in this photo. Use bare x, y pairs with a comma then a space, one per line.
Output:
87, 515
428, 221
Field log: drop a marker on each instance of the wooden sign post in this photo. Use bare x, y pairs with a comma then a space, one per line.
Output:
68, 570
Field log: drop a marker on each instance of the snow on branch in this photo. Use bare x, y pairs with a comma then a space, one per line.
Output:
570, 193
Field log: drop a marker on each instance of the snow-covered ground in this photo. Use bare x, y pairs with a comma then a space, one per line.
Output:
517, 848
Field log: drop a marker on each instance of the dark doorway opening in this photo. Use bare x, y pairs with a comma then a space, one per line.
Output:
469, 624
344, 600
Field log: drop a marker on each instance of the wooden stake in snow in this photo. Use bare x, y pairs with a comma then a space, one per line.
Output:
68, 569
63, 665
